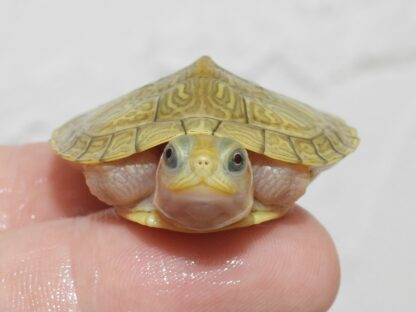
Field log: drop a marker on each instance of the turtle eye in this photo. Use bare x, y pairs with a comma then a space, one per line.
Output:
237, 160
170, 157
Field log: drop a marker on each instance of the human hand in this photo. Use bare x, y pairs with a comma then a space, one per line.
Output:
61, 249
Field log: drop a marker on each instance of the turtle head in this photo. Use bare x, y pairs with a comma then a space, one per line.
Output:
204, 182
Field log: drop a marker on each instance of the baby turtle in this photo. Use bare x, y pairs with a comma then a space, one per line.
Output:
202, 150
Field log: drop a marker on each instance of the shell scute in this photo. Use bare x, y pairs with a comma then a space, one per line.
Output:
204, 98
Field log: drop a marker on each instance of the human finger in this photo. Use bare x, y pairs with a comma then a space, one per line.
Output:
37, 185
102, 263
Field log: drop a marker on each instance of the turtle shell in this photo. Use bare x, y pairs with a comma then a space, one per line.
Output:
204, 98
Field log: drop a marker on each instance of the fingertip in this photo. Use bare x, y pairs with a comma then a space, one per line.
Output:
317, 274
37, 185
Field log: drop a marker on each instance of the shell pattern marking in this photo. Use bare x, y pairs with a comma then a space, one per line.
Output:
205, 98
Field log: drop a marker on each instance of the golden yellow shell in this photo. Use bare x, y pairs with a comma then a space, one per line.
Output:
204, 98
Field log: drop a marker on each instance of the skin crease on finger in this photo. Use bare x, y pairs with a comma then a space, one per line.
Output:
99, 262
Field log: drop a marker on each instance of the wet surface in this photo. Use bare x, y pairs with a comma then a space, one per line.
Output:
162, 272
40, 280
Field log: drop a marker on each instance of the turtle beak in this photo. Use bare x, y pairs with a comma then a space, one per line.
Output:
206, 184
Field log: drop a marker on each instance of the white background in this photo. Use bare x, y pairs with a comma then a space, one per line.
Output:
356, 59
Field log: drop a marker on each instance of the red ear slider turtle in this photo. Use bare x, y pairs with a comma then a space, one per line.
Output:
202, 150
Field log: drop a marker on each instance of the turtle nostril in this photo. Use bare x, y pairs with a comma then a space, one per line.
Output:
203, 164
203, 161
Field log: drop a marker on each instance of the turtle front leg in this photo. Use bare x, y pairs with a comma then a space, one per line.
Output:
277, 185
144, 212
123, 182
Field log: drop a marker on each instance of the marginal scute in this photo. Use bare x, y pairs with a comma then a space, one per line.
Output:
204, 98
97, 145
325, 150
80, 147
307, 152
354, 141
337, 143
280, 144
121, 143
